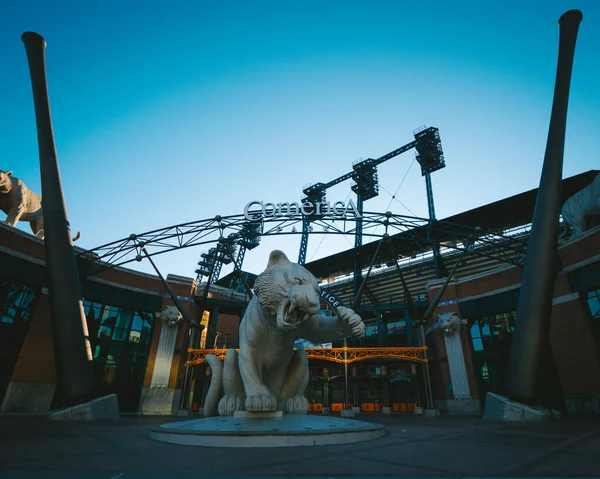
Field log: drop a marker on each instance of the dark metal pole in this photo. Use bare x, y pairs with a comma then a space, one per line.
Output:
76, 381
526, 371
355, 304
435, 246
442, 290
346, 374
356, 301
358, 280
191, 322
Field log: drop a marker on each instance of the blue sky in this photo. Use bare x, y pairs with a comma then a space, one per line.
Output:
168, 112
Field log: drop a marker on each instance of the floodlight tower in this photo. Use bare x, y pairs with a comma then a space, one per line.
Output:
247, 238
366, 187
364, 173
431, 158
212, 261
313, 194
205, 264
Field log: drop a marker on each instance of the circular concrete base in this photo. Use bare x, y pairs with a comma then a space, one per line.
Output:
289, 430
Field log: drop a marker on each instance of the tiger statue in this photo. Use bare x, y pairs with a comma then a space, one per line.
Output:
268, 374
450, 323
20, 203
170, 316
581, 211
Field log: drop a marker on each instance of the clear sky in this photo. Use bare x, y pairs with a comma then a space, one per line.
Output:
168, 112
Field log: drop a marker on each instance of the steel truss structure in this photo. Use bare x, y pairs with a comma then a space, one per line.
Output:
336, 355
410, 236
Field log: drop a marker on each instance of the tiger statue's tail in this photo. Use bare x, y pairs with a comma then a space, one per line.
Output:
215, 390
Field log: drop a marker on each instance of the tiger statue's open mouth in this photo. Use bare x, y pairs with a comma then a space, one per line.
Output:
290, 315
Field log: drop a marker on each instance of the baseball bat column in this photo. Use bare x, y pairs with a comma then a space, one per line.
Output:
526, 376
76, 381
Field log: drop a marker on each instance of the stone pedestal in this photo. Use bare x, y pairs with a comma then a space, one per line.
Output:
27, 398
258, 415
418, 410
460, 405
387, 410
159, 400
500, 408
102, 409
256, 430
431, 412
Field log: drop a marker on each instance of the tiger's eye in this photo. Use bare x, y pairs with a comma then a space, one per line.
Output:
298, 280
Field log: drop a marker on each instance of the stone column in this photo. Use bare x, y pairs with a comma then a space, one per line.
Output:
159, 398
456, 364
450, 325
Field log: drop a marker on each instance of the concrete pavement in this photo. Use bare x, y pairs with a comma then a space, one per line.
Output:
413, 446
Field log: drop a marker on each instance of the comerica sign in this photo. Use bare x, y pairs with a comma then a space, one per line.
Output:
256, 210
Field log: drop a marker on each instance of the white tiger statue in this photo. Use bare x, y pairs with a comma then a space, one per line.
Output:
450, 323
268, 374
582, 210
20, 203
170, 316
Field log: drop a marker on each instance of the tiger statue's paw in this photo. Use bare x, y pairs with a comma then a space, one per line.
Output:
295, 405
230, 404
261, 403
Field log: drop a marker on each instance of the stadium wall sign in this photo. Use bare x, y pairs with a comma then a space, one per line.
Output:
256, 210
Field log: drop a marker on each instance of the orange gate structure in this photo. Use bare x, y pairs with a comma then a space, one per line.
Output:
336, 355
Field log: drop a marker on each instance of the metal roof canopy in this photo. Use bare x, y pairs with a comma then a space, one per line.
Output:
507, 213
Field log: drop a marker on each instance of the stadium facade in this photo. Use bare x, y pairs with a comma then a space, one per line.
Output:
142, 358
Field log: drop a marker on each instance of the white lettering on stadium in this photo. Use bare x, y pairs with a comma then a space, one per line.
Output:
256, 210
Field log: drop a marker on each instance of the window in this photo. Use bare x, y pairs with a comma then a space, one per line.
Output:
593, 301
476, 336
121, 341
119, 324
371, 331
17, 302
141, 328
492, 330
122, 324
108, 319
399, 327
17, 299
485, 373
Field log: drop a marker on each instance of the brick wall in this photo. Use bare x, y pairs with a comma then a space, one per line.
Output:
36, 360
575, 350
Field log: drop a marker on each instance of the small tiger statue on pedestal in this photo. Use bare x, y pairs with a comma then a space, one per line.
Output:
20, 203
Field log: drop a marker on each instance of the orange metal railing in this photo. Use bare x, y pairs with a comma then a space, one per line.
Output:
336, 355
